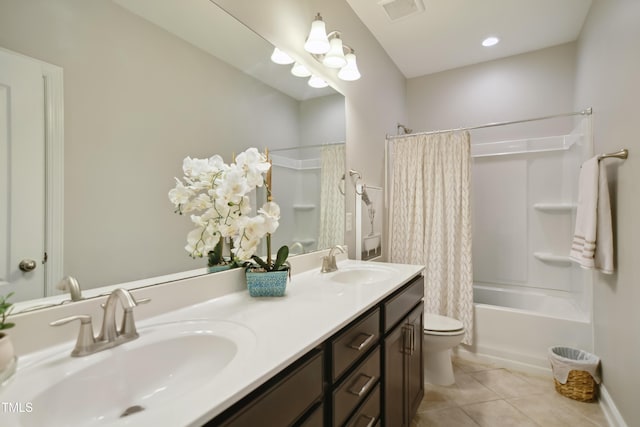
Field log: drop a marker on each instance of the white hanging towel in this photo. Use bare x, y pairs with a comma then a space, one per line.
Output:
592, 245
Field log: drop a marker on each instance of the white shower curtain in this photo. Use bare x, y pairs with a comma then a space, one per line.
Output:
332, 169
430, 218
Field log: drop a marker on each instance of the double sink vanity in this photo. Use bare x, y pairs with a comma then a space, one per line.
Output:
341, 348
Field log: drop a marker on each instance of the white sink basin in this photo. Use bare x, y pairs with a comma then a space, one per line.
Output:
361, 274
164, 363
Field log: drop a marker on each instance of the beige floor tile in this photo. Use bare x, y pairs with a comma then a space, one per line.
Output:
435, 397
503, 382
541, 384
489, 395
497, 413
468, 390
469, 366
451, 417
590, 410
548, 411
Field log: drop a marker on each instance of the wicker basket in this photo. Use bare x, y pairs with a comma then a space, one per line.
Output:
580, 386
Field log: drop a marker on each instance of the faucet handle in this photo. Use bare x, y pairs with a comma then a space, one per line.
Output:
142, 301
128, 328
85, 335
134, 301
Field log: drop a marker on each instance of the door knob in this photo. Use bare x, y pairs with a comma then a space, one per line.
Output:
27, 265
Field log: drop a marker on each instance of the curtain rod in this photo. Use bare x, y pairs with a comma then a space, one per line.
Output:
586, 112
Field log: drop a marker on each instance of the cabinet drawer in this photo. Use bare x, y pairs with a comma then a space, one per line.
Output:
355, 387
369, 414
316, 419
398, 306
350, 345
286, 401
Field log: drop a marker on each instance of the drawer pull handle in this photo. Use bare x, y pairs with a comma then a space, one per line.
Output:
365, 387
370, 421
359, 343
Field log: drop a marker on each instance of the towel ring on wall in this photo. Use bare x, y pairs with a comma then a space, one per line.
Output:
341, 185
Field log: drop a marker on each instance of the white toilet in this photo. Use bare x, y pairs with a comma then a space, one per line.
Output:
441, 334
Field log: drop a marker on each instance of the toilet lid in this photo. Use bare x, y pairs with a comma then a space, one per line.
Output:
437, 323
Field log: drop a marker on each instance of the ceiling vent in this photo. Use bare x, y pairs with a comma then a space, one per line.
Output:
398, 9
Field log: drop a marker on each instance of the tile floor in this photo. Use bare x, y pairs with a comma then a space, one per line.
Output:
487, 395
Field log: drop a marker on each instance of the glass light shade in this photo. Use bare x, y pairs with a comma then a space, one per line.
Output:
350, 71
300, 70
335, 57
317, 42
317, 82
280, 57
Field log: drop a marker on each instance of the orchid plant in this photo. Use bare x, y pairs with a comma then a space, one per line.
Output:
217, 196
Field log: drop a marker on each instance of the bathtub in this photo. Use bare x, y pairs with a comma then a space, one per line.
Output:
516, 327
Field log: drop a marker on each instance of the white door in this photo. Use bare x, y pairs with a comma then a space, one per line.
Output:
22, 177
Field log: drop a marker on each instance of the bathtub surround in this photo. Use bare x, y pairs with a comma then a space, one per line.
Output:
593, 219
430, 218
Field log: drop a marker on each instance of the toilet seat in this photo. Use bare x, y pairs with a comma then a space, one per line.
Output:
435, 324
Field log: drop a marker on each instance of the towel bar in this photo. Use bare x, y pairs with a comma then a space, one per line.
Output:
622, 154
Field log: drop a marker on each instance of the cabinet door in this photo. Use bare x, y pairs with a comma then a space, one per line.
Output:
415, 361
394, 377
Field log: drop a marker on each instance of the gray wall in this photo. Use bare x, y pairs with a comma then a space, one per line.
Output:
608, 78
534, 84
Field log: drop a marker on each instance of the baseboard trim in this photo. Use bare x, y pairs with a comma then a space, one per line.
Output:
614, 418
502, 362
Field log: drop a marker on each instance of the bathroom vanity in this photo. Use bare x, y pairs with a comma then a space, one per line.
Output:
341, 348
368, 371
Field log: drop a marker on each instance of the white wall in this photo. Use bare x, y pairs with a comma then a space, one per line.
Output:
373, 104
608, 78
137, 101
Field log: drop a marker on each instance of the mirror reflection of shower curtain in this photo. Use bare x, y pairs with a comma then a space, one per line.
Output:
332, 169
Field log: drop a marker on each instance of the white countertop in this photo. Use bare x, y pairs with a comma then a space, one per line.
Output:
283, 329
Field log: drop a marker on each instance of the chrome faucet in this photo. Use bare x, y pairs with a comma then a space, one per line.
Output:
71, 285
329, 261
110, 336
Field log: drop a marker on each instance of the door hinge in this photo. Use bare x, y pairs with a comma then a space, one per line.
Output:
45, 258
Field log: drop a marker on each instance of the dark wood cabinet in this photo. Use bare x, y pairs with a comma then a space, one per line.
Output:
403, 385
289, 398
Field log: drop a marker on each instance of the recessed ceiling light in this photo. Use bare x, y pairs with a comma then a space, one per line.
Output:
490, 41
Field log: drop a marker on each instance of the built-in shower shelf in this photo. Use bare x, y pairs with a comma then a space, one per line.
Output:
555, 207
303, 207
305, 242
547, 257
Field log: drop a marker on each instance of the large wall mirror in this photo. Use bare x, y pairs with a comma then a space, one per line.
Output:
147, 83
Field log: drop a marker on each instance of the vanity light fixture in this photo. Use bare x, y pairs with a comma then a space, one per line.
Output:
350, 71
490, 41
317, 42
330, 50
280, 57
300, 70
317, 82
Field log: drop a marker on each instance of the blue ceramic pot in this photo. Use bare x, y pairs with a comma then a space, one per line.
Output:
216, 268
267, 283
